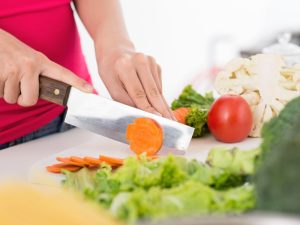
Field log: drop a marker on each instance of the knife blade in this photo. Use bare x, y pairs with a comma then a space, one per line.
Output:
107, 117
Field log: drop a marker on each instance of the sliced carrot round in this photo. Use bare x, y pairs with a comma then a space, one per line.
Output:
144, 135
69, 161
92, 161
57, 168
111, 161
79, 160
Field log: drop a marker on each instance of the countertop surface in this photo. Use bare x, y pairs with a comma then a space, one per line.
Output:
15, 162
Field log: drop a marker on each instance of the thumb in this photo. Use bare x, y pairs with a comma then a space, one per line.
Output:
57, 72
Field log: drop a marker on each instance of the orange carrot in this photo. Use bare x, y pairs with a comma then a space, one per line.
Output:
77, 159
69, 161
57, 168
74, 163
92, 161
144, 135
181, 114
111, 161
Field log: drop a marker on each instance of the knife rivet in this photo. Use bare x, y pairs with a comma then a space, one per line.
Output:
56, 91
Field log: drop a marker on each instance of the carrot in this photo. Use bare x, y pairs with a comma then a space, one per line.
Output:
57, 168
144, 135
69, 161
181, 114
74, 163
77, 159
53, 169
92, 161
111, 161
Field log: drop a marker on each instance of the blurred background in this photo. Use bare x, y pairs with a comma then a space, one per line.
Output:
192, 39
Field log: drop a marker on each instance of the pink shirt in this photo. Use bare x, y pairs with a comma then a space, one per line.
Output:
49, 27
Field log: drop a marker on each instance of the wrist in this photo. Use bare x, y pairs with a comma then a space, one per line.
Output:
113, 50
112, 47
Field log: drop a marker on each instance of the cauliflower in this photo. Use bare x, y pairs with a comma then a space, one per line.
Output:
264, 81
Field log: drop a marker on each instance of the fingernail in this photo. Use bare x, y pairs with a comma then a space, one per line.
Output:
88, 87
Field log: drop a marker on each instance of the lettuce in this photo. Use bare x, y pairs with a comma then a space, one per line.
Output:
170, 186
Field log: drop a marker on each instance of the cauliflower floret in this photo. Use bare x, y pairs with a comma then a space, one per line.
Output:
264, 81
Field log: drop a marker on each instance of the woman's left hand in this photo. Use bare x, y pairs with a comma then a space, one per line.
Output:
134, 79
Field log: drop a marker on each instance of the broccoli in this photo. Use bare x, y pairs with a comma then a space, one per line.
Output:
275, 129
199, 106
277, 176
190, 97
197, 118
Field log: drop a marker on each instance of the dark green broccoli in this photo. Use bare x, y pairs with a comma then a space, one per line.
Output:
275, 129
199, 106
190, 97
277, 178
197, 118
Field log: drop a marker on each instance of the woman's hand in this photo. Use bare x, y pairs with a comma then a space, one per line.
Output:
20, 67
134, 79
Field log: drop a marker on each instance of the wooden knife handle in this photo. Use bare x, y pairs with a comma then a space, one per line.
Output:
54, 91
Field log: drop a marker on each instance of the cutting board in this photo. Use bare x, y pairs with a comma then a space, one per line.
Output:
198, 149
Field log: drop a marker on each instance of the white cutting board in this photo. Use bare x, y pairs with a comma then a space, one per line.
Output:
198, 149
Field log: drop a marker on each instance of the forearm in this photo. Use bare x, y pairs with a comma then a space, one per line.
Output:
131, 78
104, 21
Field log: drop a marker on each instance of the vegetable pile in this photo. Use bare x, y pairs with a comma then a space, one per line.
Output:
264, 81
191, 108
171, 186
231, 181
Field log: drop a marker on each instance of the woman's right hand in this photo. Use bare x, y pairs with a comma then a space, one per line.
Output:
20, 68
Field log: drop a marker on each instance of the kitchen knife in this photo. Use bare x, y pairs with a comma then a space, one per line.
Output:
107, 117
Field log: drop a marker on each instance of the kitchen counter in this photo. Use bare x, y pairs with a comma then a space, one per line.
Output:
15, 162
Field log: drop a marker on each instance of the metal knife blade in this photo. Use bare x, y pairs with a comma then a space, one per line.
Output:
110, 118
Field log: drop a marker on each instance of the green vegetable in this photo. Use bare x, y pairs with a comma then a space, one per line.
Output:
199, 106
197, 118
275, 129
277, 177
236, 161
169, 186
190, 97
190, 198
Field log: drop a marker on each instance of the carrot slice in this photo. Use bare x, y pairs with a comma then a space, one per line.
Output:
77, 159
144, 135
111, 161
181, 114
53, 169
92, 161
57, 168
69, 161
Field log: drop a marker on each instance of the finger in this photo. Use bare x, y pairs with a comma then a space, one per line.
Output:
29, 87
116, 89
155, 72
122, 96
158, 68
133, 86
57, 72
11, 89
170, 110
1, 88
151, 89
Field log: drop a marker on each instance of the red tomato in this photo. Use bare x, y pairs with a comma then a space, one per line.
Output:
230, 119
